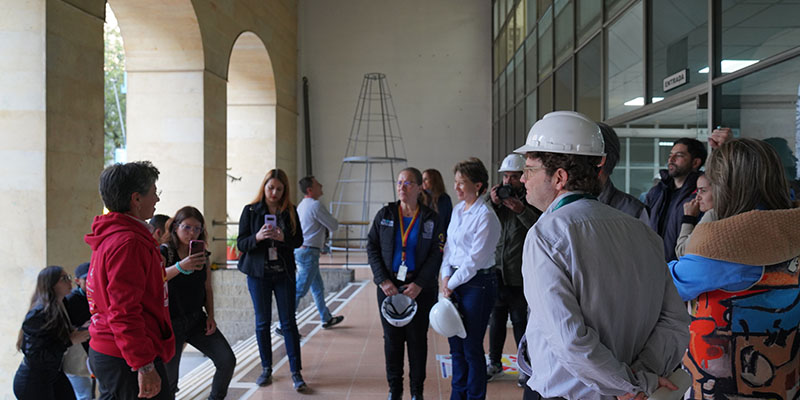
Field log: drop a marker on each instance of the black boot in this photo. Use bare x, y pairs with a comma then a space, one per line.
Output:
265, 378
395, 396
299, 383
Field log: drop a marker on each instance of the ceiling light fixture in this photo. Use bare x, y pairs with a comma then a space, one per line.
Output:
728, 66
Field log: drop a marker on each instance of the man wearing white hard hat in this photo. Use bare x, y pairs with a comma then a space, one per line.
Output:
609, 321
516, 217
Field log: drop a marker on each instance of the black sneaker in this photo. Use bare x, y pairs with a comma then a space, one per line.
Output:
333, 321
493, 371
278, 331
298, 382
265, 378
523, 379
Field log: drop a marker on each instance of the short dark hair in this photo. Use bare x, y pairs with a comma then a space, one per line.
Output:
611, 141
581, 170
695, 147
475, 171
158, 221
305, 184
119, 181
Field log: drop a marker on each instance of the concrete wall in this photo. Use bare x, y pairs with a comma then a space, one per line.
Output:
437, 58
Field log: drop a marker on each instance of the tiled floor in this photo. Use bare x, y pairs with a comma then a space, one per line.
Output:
346, 362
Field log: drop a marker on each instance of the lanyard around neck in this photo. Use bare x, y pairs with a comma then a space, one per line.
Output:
404, 233
572, 198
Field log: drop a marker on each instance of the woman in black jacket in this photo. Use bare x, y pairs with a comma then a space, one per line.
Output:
191, 301
45, 335
418, 257
269, 231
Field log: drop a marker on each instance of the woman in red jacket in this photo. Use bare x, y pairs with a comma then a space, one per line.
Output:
127, 289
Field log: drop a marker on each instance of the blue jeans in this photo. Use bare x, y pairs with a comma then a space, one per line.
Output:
308, 275
475, 301
192, 329
82, 385
261, 290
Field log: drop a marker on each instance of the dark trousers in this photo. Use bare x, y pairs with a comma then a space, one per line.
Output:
118, 382
530, 394
510, 301
261, 290
475, 301
414, 336
192, 329
41, 384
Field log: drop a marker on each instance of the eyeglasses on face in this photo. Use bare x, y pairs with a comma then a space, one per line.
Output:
527, 172
406, 183
66, 278
195, 229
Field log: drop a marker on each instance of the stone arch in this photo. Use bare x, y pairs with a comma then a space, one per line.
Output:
251, 121
165, 100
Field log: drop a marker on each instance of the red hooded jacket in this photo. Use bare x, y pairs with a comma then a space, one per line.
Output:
127, 292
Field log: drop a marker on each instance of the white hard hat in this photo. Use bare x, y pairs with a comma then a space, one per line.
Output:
399, 309
512, 163
446, 320
565, 132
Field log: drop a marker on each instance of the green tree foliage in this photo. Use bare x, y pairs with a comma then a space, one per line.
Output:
114, 68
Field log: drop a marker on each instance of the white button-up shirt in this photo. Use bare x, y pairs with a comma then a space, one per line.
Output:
471, 240
602, 304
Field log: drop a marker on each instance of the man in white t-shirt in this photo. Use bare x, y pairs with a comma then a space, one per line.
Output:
315, 220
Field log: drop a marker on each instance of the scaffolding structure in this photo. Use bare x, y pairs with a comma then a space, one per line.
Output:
375, 153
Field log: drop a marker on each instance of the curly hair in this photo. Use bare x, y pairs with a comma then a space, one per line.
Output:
581, 170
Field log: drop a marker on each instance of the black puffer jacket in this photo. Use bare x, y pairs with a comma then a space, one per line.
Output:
380, 247
43, 349
665, 205
251, 261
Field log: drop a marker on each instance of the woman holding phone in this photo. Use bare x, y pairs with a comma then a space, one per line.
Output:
45, 335
269, 231
468, 277
191, 299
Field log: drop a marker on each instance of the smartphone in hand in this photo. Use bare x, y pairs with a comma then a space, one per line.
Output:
271, 221
196, 246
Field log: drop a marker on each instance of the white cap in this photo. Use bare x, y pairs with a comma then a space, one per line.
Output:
566, 132
512, 163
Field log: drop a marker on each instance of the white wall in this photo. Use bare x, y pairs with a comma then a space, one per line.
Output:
437, 58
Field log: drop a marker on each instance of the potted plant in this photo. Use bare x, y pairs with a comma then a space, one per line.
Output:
232, 252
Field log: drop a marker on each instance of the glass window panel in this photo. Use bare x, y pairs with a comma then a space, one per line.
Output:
496, 21
641, 180
530, 63
613, 6
763, 105
510, 39
564, 31
519, 132
501, 94
510, 86
495, 140
679, 42
545, 97
755, 30
530, 110
642, 154
543, 5
495, 104
530, 11
509, 143
588, 18
501, 139
587, 79
625, 82
501, 51
519, 70
509, 6
563, 87
520, 30
546, 43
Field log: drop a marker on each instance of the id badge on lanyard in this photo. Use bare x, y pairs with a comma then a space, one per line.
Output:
402, 272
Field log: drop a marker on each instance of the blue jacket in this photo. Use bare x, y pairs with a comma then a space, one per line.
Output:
665, 205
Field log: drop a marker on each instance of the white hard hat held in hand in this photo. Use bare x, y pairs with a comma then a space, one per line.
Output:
566, 132
446, 320
398, 310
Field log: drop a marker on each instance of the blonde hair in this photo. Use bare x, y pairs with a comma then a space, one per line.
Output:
284, 203
745, 174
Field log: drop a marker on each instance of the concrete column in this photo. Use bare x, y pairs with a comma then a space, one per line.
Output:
51, 143
214, 163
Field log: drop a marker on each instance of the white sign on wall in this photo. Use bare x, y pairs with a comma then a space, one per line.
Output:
675, 80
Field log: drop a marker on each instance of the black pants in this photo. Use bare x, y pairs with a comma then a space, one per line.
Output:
192, 329
118, 382
530, 394
41, 384
415, 337
510, 301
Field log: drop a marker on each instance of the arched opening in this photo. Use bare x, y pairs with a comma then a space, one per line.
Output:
251, 123
164, 117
